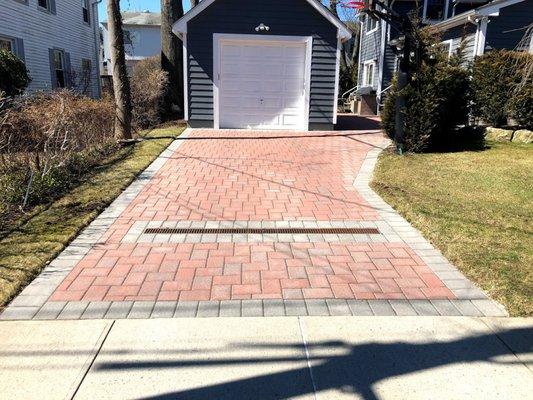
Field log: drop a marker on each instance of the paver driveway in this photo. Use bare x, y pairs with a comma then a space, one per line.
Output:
228, 179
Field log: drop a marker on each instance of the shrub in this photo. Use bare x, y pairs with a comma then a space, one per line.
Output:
53, 139
14, 76
521, 106
148, 82
499, 89
436, 102
521, 101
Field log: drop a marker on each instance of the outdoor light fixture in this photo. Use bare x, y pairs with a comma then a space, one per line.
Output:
262, 28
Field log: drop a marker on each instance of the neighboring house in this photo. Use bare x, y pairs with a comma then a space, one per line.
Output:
261, 64
57, 39
142, 38
479, 24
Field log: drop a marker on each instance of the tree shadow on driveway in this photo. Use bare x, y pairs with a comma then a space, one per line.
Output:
342, 366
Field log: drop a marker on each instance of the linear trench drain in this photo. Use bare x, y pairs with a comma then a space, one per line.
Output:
262, 231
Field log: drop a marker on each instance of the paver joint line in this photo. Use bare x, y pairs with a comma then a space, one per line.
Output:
290, 187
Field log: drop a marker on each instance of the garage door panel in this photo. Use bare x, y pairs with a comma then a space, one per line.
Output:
261, 85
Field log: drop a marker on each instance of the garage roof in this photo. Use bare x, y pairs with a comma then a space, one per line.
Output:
180, 26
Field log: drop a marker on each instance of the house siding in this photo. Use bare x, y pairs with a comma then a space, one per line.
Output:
370, 50
146, 43
40, 31
459, 34
390, 58
294, 18
506, 30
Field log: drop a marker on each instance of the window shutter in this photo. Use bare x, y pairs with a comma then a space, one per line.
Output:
20, 49
68, 71
52, 6
52, 68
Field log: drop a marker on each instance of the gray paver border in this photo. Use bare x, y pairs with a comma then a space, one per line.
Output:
454, 280
30, 301
471, 301
254, 308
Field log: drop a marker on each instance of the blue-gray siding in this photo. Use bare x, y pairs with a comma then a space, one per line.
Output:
284, 17
371, 47
370, 50
390, 59
464, 35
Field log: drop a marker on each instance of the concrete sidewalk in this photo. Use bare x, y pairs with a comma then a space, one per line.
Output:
268, 358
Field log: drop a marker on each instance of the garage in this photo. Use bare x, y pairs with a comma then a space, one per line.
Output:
262, 83
261, 65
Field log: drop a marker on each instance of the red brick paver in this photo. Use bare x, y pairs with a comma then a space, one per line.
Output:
252, 176
289, 270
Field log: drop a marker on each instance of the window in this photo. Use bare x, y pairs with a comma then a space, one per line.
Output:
368, 73
435, 10
371, 24
86, 66
7, 44
44, 4
47, 5
59, 67
446, 47
127, 37
86, 12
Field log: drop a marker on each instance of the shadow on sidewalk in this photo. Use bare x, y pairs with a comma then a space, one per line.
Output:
355, 370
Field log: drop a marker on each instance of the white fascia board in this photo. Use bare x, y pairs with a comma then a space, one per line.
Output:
180, 26
489, 10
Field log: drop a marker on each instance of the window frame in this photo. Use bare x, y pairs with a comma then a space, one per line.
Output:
425, 19
368, 24
448, 43
47, 8
12, 42
63, 68
127, 35
366, 66
86, 11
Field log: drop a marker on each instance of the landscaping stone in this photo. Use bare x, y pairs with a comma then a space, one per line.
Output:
498, 134
523, 136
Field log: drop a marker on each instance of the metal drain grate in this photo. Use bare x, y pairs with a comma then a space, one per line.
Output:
262, 231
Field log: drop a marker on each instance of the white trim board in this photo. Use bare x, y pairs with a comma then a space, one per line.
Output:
185, 78
337, 81
489, 10
219, 38
180, 26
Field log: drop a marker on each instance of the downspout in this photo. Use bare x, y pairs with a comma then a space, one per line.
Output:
96, 32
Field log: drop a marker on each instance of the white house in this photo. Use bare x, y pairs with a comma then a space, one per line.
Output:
57, 39
142, 38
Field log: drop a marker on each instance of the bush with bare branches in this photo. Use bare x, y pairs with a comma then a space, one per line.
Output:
47, 141
148, 82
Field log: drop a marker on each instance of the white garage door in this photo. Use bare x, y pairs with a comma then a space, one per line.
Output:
262, 84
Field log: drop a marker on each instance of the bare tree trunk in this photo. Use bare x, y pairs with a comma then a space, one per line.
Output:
172, 58
121, 83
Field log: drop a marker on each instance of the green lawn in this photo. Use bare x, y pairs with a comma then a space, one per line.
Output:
476, 207
25, 251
